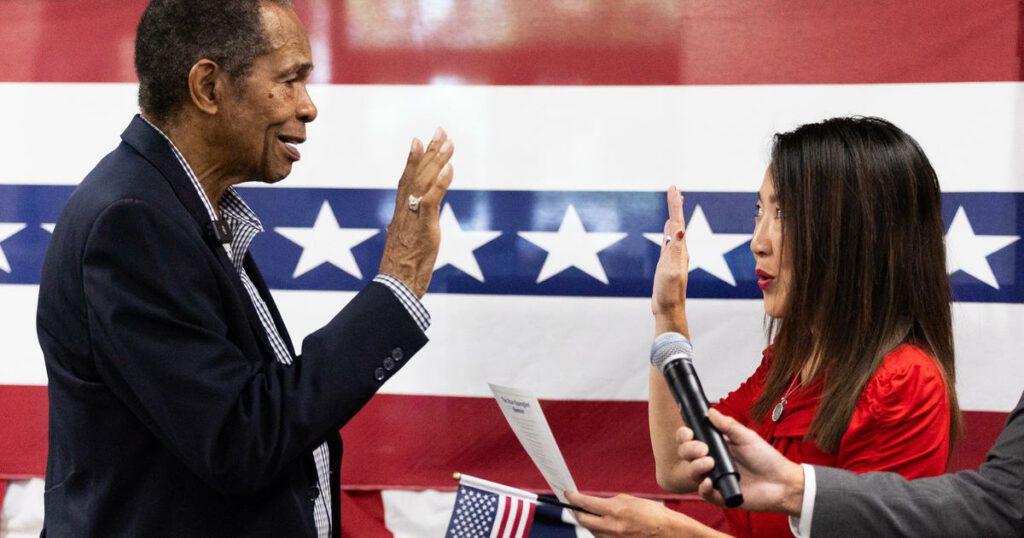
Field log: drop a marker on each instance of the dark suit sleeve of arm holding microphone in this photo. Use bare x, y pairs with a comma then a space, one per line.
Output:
987, 502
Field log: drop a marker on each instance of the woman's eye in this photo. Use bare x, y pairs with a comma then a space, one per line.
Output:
758, 211
778, 213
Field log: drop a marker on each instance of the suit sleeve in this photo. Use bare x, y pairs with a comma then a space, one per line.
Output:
162, 344
988, 502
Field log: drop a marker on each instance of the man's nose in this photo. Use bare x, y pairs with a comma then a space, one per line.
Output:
306, 109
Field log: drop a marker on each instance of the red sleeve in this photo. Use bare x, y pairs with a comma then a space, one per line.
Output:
901, 423
737, 403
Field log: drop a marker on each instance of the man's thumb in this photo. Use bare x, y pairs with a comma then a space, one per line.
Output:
729, 427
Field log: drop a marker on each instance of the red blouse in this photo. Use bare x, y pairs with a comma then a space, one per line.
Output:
900, 424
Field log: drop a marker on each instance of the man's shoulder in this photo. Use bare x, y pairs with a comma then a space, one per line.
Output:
121, 175
122, 183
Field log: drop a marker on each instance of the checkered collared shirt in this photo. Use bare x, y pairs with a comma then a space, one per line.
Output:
244, 226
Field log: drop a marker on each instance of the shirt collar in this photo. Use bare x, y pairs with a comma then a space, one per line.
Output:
240, 217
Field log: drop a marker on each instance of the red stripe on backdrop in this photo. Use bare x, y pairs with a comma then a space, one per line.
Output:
548, 42
421, 440
401, 442
22, 431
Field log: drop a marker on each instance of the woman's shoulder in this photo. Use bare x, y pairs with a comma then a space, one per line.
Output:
901, 422
907, 360
908, 375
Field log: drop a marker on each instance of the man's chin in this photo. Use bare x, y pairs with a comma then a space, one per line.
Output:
273, 176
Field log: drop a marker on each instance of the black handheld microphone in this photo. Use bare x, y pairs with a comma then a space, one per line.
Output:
673, 355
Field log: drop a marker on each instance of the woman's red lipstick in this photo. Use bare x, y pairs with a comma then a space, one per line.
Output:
764, 279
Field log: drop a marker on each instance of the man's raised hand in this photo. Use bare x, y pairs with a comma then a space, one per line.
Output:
414, 235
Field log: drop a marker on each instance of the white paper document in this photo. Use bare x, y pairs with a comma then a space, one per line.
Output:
527, 420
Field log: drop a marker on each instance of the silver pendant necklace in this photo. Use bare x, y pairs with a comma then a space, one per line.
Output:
781, 406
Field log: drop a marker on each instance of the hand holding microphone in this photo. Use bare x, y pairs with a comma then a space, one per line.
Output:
672, 354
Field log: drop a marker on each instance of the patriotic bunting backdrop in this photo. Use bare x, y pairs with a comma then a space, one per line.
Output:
570, 118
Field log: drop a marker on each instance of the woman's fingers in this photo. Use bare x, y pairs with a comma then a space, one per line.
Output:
675, 227
692, 450
675, 206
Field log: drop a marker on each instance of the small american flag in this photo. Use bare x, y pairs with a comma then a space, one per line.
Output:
487, 510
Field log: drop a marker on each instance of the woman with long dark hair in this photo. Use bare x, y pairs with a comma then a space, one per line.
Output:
859, 373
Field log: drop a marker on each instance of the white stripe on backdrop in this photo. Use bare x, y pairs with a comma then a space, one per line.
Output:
590, 348
709, 138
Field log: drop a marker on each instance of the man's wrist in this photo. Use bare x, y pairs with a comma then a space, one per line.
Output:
408, 299
793, 500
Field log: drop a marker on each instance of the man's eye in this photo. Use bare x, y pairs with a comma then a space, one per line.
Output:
758, 210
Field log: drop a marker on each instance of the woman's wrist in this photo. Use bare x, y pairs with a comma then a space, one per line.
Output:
677, 524
665, 323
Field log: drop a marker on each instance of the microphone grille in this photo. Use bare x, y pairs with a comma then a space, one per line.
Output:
669, 346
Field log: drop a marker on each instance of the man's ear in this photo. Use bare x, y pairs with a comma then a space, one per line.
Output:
205, 86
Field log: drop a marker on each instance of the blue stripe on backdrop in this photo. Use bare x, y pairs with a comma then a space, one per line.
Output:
510, 263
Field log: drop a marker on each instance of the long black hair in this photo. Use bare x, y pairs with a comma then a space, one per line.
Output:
863, 223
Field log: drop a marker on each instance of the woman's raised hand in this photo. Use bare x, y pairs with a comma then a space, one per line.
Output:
668, 301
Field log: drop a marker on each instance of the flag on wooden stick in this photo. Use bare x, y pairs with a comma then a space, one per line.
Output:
485, 509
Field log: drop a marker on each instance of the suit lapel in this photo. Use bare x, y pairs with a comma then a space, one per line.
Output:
153, 147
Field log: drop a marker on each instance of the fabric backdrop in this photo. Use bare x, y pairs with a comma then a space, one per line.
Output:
570, 118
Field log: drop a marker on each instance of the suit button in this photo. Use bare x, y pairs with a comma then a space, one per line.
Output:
397, 354
314, 492
389, 364
378, 374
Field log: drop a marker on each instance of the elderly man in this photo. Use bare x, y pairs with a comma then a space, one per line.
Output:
178, 406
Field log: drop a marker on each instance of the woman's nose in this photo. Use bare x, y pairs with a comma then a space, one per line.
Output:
759, 243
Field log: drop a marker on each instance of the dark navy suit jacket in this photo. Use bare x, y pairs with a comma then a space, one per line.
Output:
169, 415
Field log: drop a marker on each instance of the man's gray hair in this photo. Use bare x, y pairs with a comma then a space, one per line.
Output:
175, 34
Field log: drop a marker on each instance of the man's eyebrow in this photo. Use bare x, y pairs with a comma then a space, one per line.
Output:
296, 69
